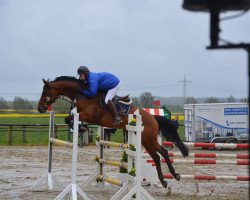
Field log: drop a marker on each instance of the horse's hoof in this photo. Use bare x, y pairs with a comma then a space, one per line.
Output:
164, 184
178, 177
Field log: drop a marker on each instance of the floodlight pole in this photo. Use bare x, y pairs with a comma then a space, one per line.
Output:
214, 44
245, 46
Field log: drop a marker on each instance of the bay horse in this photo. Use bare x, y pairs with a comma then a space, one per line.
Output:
90, 111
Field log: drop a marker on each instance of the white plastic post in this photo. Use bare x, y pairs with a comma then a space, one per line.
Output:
140, 192
132, 185
73, 188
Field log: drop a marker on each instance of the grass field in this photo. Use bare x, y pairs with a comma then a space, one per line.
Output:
39, 135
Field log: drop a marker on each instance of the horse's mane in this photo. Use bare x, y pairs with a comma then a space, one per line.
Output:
72, 79
66, 78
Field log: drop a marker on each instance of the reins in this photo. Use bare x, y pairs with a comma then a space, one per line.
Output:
63, 97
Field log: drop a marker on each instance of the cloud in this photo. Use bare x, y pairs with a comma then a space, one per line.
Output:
146, 43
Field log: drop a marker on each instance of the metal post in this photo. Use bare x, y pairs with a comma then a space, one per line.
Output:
51, 135
101, 150
214, 27
69, 129
248, 51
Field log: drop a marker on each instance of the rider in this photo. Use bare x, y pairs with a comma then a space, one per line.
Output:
104, 82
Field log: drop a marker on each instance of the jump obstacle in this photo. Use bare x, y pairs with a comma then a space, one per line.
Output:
126, 182
205, 162
212, 145
73, 189
204, 159
211, 155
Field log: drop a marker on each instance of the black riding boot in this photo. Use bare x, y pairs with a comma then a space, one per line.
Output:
113, 110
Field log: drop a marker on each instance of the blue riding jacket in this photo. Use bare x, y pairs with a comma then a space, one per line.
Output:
102, 81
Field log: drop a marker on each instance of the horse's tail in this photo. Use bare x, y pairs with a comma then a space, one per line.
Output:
168, 130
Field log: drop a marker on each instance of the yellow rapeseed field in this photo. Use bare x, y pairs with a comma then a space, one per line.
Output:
13, 114
31, 115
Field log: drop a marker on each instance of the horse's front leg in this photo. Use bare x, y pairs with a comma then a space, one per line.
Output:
69, 120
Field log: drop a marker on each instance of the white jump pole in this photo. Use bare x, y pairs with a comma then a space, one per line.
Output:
73, 188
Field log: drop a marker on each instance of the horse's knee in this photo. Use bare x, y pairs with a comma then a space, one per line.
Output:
66, 120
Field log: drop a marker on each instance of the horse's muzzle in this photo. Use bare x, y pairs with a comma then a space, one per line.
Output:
41, 109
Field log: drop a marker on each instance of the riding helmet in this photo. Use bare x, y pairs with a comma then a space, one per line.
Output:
82, 69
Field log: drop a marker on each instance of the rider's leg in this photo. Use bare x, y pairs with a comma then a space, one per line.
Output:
108, 100
113, 110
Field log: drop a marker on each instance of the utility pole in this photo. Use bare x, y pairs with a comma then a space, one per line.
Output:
184, 82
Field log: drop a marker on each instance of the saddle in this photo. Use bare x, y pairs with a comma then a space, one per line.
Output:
122, 104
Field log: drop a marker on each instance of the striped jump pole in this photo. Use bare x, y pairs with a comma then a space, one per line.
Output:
205, 162
113, 144
212, 145
112, 162
231, 159
208, 177
61, 142
110, 180
211, 155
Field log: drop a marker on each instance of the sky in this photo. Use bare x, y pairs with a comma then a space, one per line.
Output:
150, 45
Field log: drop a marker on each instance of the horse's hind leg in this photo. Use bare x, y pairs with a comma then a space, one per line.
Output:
69, 120
165, 155
157, 161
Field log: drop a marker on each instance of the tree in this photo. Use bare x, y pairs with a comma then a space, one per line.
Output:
136, 102
191, 100
62, 106
3, 103
212, 100
20, 104
244, 100
174, 108
146, 100
231, 99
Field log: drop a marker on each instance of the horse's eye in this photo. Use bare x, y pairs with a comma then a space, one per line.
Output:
47, 98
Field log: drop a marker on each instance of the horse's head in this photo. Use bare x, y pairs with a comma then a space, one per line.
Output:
62, 86
49, 96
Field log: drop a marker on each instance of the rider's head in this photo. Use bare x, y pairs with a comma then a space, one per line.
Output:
82, 72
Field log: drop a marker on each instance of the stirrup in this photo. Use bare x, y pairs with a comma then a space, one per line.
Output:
118, 120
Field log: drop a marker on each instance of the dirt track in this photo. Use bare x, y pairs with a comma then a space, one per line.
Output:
21, 167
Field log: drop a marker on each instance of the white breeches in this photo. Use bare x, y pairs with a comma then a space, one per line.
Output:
111, 93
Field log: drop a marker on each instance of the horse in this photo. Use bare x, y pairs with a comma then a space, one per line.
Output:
90, 111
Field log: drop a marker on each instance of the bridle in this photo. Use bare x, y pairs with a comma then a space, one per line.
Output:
64, 97
48, 100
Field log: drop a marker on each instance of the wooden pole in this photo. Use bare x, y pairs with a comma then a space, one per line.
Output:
10, 135
24, 134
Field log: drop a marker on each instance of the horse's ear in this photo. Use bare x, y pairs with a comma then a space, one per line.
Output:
45, 82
